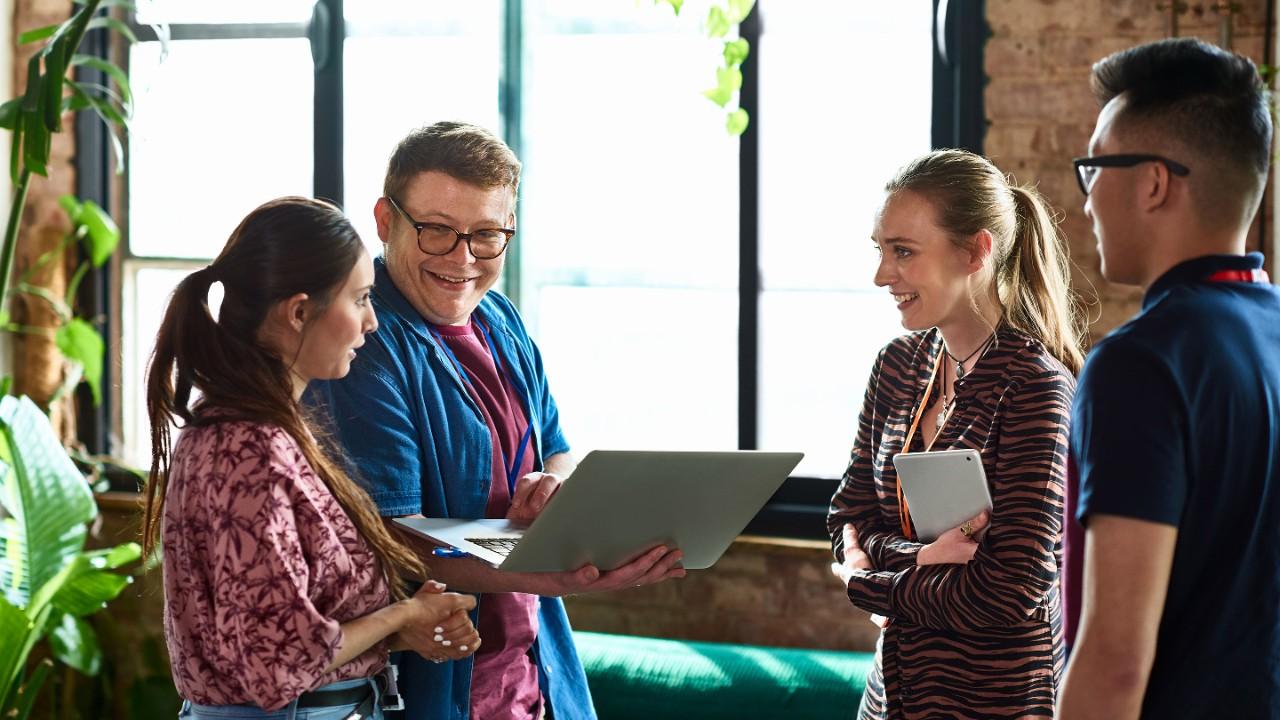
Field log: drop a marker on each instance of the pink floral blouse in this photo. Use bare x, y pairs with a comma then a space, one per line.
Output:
261, 566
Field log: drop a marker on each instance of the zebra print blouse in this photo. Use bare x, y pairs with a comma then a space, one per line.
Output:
982, 639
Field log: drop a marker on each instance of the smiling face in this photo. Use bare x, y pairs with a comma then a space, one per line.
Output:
444, 289
925, 271
329, 342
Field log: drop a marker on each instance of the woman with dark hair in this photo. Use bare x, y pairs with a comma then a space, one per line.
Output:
972, 620
279, 575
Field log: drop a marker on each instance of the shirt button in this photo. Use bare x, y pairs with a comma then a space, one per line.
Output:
547, 668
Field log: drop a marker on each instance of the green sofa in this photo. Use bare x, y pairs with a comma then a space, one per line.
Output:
653, 678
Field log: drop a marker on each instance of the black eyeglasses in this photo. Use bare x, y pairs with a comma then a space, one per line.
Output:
1087, 167
440, 239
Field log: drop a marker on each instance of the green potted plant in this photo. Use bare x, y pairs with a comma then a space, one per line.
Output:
48, 582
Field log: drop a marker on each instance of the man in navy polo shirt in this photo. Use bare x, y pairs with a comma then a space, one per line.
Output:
1176, 424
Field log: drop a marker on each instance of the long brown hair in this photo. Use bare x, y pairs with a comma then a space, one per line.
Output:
287, 246
1031, 271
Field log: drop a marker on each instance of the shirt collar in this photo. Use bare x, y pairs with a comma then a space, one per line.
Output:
1198, 270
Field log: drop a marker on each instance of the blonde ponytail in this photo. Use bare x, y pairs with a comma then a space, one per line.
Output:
1034, 281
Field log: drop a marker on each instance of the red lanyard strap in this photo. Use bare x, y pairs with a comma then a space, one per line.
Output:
904, 513
1251, 276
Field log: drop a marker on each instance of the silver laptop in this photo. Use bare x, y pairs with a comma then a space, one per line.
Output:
619, 503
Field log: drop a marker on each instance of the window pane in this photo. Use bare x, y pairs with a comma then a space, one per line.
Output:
642, 368
821, 178
387, 92
629, 230
147, 291
220, 127
224, 11
817, 362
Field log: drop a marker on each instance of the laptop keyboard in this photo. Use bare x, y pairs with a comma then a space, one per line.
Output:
501, 546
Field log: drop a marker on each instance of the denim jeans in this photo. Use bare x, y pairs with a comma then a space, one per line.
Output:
194, 711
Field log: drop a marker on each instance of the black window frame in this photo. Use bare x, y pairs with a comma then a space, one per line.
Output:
798, 509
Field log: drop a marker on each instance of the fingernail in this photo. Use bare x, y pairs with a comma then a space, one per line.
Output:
446, 643
439, 638
439, 630
463, 648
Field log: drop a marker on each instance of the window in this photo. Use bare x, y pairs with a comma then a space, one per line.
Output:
688, 289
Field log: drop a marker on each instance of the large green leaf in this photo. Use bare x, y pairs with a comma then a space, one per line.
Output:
15, 628
47, 498
88, 589
102, 236
74, 642
80, 342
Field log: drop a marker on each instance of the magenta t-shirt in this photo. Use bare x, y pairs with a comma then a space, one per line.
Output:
504, 681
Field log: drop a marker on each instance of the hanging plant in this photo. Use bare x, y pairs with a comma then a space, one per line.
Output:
723, 20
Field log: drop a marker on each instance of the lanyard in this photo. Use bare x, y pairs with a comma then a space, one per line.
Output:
512, 469
1250, 276
904, 513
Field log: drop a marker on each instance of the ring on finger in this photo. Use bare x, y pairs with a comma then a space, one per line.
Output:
967, 528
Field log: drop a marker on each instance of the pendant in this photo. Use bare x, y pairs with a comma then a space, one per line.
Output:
942, 418
959, 369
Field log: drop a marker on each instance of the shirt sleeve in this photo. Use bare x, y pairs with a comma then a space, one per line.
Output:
1128, 437
1015, 565
369, 414
858, 502
268, 625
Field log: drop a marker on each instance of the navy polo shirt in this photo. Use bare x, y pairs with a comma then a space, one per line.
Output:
1177, 421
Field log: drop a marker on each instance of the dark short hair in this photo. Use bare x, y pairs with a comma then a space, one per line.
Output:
1196, 94
467, 152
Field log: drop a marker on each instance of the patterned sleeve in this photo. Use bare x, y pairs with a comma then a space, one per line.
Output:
1015, 567
268, 625
857, 502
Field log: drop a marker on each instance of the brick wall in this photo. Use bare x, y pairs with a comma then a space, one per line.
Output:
1041, 111
762, 592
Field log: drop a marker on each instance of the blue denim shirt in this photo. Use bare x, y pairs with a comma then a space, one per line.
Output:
420, 444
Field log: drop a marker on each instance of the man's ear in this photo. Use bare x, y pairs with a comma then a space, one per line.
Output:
383, 215
1153, 187
981, 245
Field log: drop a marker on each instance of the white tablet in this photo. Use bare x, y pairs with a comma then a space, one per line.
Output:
943, 489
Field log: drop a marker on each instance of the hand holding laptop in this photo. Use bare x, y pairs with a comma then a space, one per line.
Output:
654, 565
533, 492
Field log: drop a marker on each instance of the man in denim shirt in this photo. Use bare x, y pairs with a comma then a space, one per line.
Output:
447, 413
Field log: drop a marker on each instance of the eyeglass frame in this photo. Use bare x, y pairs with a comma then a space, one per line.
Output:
459, 236
1120, 161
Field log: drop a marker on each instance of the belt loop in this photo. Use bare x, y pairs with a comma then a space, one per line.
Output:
292, 710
